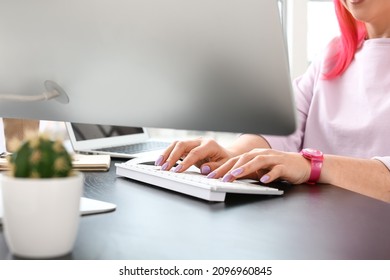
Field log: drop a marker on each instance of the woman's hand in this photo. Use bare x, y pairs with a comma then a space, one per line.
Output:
204, 153
265, 165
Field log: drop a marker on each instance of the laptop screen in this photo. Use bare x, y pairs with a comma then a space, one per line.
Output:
93, 131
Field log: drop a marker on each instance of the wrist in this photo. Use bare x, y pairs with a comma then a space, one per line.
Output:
316, 159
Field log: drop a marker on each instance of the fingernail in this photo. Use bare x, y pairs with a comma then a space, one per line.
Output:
212, 175
159, 161
178, 168
165, 166
237, 172
205, 169
264, 179
227, 178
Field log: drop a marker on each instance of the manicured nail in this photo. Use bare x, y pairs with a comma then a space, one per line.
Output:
264, 179
159, 161
212, 175
205, 169
237, 172
178, 168
227, 178
165, 166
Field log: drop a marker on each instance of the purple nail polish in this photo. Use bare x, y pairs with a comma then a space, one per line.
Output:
237, 172
264, 179
211, 175
159, 161
227, 178
205, 170
178, 168
164, 166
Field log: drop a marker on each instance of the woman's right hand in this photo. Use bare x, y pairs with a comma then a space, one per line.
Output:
204, 153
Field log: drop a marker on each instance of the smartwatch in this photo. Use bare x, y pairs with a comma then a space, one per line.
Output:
316, 158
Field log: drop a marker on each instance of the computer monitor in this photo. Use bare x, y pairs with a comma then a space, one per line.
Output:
217, 65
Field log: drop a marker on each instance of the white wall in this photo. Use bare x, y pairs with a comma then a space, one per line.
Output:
297, 36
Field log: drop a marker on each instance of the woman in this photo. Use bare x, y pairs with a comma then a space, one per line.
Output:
343, 103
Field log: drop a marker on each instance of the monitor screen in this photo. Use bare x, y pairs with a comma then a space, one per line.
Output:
204, 65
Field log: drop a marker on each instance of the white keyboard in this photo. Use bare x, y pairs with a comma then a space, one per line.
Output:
191, 182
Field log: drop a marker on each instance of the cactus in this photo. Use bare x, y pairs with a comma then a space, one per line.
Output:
40, 157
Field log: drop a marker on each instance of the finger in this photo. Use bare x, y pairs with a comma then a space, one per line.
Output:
260, 173
209, 167
174, 152
274, 174
206, 152
161, 159
223, 169
196, 156
180, 152
249, 165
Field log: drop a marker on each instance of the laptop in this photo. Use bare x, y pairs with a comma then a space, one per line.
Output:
116, 141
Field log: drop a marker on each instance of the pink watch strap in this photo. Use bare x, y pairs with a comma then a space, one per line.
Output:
315, 173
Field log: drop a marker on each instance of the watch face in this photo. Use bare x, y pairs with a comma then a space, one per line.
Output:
312, 152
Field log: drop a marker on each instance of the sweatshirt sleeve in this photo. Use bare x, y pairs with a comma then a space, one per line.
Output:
385, 160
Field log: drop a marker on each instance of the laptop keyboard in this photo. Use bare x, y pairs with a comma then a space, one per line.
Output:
137, 148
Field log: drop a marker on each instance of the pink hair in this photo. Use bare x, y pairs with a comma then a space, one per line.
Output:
342, 51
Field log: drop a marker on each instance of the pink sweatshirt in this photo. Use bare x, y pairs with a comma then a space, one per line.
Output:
349, 115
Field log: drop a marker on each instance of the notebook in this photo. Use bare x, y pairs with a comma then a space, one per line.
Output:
116, 141
80, 162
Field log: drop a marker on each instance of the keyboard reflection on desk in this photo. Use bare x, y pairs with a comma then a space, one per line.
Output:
191, 182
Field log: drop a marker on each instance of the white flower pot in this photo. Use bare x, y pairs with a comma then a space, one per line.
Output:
41, 216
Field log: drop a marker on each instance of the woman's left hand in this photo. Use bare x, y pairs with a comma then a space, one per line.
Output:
265, 165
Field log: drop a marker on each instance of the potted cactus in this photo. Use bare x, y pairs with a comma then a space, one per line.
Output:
40, 157
41, 199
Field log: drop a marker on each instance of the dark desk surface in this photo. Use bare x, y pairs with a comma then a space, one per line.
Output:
320, 222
